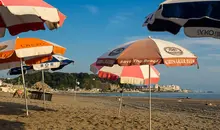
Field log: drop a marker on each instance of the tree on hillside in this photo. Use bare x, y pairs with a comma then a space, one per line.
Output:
60, 80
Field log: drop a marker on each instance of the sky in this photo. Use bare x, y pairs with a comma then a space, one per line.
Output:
93, 27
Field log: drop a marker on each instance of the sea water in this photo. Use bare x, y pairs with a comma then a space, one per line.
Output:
160, 95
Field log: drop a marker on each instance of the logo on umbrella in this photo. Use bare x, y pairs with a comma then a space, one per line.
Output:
173, 51
116, 51
2, 47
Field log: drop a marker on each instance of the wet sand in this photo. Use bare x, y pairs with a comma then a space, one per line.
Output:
101, 113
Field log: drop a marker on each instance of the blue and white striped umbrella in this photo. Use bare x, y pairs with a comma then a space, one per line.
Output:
17, 70
199, 18
57, 63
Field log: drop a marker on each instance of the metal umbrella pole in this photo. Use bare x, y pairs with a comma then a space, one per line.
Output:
149, 83
75, 90
120, 104
25, 92
42, 71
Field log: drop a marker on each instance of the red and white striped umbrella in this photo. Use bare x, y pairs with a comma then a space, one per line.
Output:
24, 15
127, 74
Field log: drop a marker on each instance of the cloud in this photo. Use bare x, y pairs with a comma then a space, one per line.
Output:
120, 18
199, 41
91, 8
210, 57
181, 40
123, 17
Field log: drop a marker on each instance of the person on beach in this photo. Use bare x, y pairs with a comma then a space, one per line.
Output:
20, 93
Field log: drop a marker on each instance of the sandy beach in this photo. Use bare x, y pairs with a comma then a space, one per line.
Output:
100, 113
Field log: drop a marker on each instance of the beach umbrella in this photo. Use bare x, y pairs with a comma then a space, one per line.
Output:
17, 70
28, 15
13, 52
56, 63
199, 18
138, 74
150, 52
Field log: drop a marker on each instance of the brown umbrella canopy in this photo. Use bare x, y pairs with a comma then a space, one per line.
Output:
148, 51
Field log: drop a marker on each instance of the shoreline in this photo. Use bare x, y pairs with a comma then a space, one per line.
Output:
90, 92
146, 98
153, 98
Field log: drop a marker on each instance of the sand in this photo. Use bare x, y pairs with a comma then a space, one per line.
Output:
100, 113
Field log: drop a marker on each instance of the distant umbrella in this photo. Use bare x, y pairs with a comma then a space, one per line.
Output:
17, 70
57, 63
63, 63
138, 74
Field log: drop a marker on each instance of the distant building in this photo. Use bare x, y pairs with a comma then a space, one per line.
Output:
156, 86
173, 88
186, 91
1, 83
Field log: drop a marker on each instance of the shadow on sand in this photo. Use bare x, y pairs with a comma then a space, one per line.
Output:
10, 108
11, 125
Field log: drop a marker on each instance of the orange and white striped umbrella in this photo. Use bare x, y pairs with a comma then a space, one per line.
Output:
31, 50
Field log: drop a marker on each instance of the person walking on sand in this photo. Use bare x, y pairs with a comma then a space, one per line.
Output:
20, 93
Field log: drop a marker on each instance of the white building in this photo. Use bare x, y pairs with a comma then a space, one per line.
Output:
168, 87
156, 86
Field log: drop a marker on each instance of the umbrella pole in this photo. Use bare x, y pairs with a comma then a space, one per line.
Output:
25, 93
149, 83
119, 110
75, 91
43, 88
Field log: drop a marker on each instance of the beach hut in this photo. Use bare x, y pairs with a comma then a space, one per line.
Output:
38, 92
